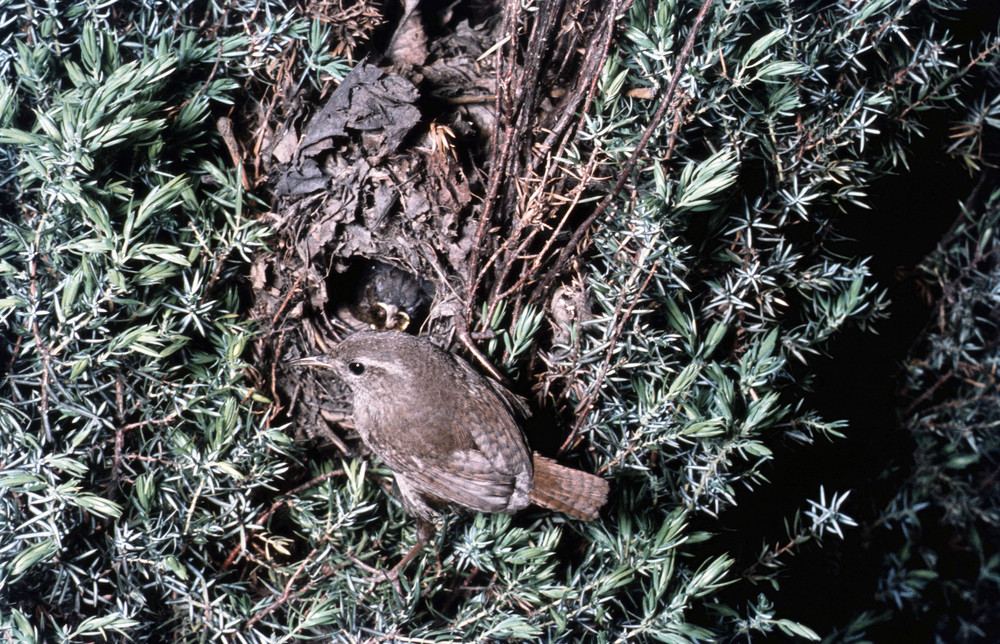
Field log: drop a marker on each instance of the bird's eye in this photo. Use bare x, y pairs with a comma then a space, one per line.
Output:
356, 368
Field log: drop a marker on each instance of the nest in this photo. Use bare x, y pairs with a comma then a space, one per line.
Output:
441, 168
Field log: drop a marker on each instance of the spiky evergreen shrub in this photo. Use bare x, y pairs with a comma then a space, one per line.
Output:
719, 277
136, 460
941, 572
132, 447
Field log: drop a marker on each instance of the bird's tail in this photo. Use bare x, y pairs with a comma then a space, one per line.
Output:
564, 489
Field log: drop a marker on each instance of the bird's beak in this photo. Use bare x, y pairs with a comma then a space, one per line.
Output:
312, 361
395, 320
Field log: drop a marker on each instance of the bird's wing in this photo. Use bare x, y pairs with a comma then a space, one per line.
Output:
495, 428
464, 478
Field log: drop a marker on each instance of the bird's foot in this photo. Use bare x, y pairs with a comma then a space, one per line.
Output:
379, 575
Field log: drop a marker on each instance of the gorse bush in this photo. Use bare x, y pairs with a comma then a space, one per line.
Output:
146, 491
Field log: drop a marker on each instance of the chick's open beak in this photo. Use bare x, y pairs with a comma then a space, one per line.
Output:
395, 320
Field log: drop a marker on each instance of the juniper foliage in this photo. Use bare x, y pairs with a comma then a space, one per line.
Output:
941, 572
139, 466
132, 447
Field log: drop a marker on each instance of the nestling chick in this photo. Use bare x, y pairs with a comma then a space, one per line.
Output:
451, 437
388, 298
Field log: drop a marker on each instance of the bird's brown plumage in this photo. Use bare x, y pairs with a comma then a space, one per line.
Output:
451, 437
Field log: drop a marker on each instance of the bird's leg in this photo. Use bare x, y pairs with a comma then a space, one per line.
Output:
425, 532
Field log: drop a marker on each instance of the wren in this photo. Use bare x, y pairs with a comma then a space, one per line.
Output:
451, 437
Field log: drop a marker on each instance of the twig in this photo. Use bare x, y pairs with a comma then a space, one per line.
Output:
288, 298
587, 404
119, 434
951, 80
518, 94
274, 508
287, 593
225, 127
573, 202
152, 421
665, 103
928, 393
42, 347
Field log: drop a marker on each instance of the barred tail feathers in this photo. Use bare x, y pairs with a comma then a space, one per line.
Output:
564, 489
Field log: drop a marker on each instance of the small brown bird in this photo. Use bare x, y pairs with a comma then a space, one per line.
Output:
451, 436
